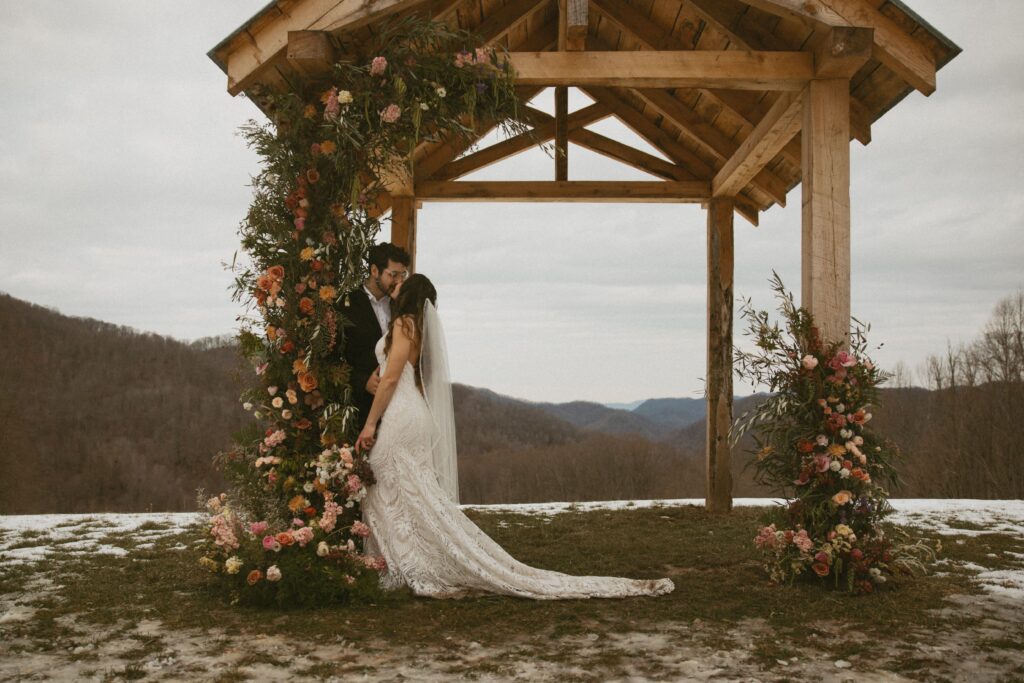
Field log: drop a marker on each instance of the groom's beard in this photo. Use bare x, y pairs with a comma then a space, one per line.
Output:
382, 288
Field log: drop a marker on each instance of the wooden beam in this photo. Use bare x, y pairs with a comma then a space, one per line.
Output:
709, 138
843, 52
718, 497
626, 18
907, 58
565, 191
311, 53
825, 220
544, 132
244, 55
576, 25
775, 131
640, 160
561, 133
403, 226
502, 21
682, 69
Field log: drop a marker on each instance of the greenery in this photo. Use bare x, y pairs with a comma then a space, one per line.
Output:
327, 156
814, 448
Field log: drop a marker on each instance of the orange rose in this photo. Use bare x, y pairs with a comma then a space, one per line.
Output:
263, 282
299, 367
285, 538
308, 382
306, 305
254, 576
276, 272
842, 498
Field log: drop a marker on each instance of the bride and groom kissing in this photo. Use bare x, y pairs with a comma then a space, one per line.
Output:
402, 389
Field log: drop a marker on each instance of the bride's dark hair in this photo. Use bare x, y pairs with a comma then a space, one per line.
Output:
408, 308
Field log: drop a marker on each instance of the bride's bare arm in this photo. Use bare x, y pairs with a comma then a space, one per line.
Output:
401, 351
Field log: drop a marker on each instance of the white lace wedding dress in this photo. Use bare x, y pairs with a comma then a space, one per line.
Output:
427, 541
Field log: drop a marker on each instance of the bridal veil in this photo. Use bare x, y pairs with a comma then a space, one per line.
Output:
437, 389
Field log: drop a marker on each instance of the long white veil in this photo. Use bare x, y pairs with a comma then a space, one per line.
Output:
437, 389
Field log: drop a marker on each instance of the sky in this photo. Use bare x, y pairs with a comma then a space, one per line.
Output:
123, 180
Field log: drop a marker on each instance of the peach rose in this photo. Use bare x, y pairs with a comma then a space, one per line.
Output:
842, 498
328, 293
307, 381
306, 305
276, 272
285, 538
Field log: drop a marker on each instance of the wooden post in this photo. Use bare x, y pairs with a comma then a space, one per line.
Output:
403, 226
718, 497
561, 133
825, 262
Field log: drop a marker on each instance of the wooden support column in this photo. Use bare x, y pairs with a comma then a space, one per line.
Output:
403, 226
718, 497
825, 261
561, 133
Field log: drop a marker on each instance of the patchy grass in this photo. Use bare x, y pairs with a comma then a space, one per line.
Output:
722, 601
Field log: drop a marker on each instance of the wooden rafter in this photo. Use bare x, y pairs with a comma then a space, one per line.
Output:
708, 138
565, 191
906, 57
775, 130
785, 71
543, 132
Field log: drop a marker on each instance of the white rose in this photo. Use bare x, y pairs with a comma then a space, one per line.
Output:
840, 408
441, 92
859, 440
232, 565
835, 466
286, 414
344, 97
322, 549
307, 487
272, 390
273, 573
844, 473
424, 106
257, 415
247, 405
809, 362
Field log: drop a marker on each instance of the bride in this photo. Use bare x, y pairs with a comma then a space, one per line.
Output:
415, 523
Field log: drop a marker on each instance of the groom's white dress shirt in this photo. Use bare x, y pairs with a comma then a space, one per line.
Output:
381, 308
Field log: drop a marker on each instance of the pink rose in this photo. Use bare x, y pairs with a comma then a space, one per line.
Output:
378, 65
271, 543
390, 113
258, 528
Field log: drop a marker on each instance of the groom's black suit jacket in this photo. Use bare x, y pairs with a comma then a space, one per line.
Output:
358, 352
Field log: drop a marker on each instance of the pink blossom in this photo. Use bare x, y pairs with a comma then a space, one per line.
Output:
257, 528
222, 531
802, 541
353, 484
821, 557
360, 529
297, 522
378, 66
846, 360
349, 579
766, 538
300, 224
271, 543
330, 516
390, 113
275, 439
303, 535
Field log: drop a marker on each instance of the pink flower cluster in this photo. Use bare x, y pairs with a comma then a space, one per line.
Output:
360, 529
330, 516
378, 66
223, 531
481, 55
390, 113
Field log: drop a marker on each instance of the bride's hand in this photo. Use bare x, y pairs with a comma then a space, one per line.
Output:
366, 438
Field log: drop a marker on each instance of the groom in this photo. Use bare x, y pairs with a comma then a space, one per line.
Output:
369, 309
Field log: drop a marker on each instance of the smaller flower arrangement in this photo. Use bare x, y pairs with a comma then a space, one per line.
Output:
814, 447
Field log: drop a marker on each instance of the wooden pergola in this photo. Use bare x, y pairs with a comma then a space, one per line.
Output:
745, 100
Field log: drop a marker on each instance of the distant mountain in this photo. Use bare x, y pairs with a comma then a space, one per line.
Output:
672, 412
594, 417
624, 406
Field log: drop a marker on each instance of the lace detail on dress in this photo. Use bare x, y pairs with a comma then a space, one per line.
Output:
429, 544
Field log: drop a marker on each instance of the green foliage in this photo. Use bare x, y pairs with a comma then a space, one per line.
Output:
327, 156
814, 448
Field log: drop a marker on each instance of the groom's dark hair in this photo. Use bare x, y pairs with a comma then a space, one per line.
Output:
380, 254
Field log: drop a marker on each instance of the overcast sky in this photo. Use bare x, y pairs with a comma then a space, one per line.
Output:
122, 182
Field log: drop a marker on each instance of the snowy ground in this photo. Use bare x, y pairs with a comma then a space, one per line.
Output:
28, 541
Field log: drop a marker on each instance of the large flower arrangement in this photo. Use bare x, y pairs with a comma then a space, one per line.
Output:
815, 448
289, 532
